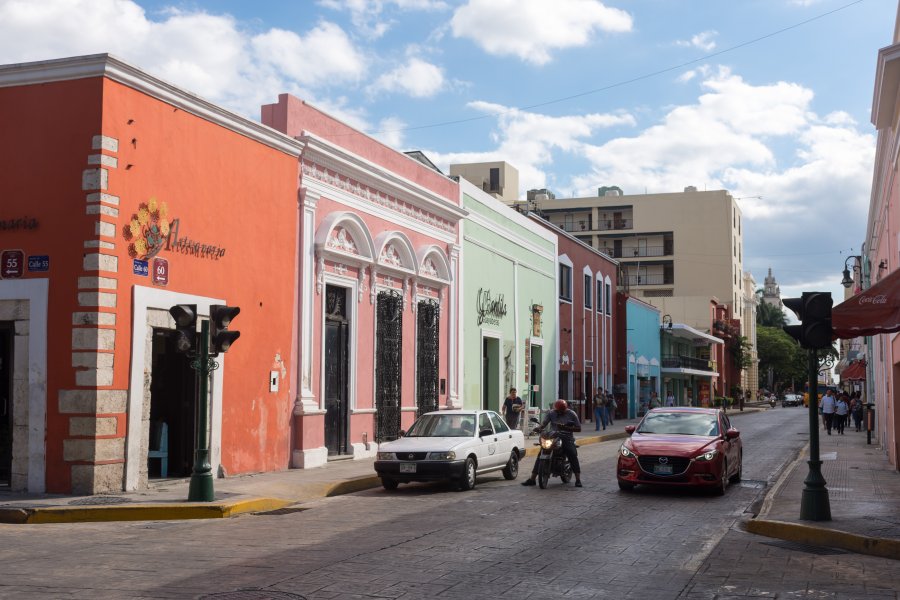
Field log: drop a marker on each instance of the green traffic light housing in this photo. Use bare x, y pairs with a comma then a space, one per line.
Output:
185, 316
220, 317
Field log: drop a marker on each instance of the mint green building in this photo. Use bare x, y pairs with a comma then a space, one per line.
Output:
509, 308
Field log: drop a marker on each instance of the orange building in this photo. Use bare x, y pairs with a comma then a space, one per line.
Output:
123, 196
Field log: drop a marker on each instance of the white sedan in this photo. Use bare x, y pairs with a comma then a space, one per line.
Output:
451, 445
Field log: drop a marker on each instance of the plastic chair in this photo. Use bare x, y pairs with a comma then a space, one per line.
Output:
162, 449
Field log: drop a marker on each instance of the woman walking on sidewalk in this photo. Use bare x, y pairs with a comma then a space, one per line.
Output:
841, 410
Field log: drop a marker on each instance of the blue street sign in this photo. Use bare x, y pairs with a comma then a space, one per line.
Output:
39, 263
141, 268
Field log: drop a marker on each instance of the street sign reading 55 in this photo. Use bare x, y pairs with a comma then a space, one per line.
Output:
12, 264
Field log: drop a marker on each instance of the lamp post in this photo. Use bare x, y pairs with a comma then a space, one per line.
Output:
847, 281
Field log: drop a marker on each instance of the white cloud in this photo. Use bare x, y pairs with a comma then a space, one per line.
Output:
531, 29
211, 55
416, 78
528, 140
390, 131
367, 15
686, 76
702, 40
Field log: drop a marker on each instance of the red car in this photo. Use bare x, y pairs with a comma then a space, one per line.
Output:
682, 447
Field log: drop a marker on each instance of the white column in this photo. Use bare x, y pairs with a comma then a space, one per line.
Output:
306, 400
453, 330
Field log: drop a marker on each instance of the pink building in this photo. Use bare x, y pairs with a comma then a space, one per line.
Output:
587, 315
882, 246
379, 247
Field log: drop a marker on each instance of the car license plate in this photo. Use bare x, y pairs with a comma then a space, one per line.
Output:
662, 469
407, 467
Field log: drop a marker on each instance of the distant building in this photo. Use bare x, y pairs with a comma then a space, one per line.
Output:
541, 194
771, 291
676, 250
499, 179
750, 377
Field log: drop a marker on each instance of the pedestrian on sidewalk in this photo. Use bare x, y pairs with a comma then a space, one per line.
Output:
610, 407
828, 406
856, 410
670, 399
600, 413
841, 410
512, 408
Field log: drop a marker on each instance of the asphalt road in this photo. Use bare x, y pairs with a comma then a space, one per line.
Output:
426, 541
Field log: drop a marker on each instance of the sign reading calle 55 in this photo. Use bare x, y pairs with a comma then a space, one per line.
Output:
490, 310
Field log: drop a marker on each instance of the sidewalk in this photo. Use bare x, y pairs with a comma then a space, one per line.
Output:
167, 499
863, 491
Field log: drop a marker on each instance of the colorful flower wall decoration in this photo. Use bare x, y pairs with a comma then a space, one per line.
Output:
148, 229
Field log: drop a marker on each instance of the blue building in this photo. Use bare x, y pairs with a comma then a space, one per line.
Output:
644, 352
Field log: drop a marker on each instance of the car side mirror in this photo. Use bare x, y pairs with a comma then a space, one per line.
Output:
629, 429
485, 433
732, 434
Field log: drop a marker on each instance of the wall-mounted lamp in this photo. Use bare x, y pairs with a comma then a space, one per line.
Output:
847, 281
882, 265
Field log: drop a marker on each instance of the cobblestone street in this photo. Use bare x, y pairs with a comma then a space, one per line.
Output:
426, 541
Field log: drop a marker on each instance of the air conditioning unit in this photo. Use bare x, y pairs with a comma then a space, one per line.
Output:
541, 197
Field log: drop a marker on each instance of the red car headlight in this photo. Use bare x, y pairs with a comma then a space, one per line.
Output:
626, 452
706, 456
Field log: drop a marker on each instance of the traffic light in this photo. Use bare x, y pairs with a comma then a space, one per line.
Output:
220, 317
185, 316
814, 311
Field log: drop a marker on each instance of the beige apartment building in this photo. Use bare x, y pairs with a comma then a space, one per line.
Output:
499, 179
676, 250
750, 375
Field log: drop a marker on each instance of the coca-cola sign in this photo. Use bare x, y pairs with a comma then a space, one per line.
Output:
879, 299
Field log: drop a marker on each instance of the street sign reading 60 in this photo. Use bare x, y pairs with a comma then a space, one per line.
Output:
12, 264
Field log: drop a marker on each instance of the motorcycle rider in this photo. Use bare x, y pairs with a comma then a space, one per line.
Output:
566, 423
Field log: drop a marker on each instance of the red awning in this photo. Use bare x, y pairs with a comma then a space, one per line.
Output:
874, 311
855, 372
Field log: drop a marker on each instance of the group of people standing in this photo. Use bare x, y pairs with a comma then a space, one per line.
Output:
836, 411
604, 408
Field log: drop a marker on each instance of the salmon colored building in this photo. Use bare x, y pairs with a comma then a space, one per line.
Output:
123, 196
379, 262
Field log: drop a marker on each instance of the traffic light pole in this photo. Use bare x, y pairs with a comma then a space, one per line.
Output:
201, 487
814, 504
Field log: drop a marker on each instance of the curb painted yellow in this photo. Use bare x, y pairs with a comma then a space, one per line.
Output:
140, 512
821, 536
349, 486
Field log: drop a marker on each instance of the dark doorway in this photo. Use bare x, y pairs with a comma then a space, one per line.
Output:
173, 407
427, 353
337, 371
6, 399
388, 365
536, 377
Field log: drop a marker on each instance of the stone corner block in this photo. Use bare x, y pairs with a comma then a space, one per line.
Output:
94, 179
93, 401
102, 142
98, 479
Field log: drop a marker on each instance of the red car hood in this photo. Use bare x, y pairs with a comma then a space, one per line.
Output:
671, 445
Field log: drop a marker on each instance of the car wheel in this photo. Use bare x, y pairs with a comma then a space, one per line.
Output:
723, 480
736, 478
511, 470
625, 487
468, 480
389, 484
544, 474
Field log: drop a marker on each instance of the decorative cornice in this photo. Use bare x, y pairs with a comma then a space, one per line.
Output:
115, 69
366, 174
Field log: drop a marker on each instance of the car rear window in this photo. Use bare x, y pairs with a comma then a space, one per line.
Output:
443, 426
680, 423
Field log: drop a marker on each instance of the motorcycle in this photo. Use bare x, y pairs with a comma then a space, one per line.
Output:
551, 459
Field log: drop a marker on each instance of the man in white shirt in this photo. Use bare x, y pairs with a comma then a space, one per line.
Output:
828, 406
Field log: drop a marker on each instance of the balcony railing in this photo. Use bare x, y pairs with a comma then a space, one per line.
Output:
686, 362
576, 226
664, 250
611, 224
648, 280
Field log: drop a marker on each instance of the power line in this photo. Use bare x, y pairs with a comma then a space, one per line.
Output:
624, 82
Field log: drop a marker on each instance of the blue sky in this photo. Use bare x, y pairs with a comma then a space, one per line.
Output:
782, 122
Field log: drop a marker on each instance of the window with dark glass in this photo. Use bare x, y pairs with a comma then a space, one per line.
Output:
495, 180
588, 291
599, 296
565, 282
608, 299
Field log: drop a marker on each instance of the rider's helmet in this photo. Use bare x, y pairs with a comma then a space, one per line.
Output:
560, 405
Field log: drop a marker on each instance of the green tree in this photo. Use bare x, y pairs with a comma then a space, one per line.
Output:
768, 315
778, 351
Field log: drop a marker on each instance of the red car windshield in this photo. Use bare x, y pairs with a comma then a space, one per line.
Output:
680, 423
